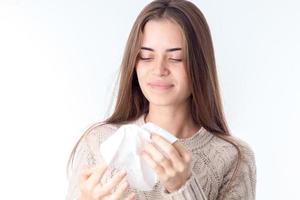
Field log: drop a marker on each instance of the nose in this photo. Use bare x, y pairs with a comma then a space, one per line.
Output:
160, 68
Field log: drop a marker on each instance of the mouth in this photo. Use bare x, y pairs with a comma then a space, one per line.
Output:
160, 86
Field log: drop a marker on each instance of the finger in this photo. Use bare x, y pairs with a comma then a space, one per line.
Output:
104, 190
119, 191
131, 196
183, 152
157, 156
168, 148
157, 168
96, 176
161, 160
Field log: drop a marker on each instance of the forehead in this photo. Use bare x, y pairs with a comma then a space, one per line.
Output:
162, 34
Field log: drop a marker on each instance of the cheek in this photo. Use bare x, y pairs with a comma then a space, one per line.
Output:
184, 86
141, 71
182, 78
138, 71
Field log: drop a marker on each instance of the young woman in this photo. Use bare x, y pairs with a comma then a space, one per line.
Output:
169, 77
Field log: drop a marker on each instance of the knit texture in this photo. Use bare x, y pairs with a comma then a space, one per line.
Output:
213, 163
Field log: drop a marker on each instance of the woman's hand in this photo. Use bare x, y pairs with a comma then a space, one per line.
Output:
92, 189
171, 162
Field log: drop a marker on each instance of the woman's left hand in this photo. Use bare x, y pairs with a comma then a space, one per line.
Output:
172, 165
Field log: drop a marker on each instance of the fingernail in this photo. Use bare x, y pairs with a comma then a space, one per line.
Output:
123, 172
131, 196
125, 184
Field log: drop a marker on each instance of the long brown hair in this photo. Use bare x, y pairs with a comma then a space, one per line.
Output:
205, 100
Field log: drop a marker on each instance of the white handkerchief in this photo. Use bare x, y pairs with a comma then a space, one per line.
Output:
121, 151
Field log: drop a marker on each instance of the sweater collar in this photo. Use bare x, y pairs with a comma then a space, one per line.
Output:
198, 140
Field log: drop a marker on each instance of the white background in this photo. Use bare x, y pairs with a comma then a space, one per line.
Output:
59, 59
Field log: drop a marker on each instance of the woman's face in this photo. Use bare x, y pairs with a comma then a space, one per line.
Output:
160, 67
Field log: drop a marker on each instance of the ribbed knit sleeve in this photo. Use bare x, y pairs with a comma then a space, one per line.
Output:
83, 156
243, 187
191, 190
87, 153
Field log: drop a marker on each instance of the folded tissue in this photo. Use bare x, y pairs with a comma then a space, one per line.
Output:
122, 151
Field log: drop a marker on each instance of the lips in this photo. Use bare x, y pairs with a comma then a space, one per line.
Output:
160, 85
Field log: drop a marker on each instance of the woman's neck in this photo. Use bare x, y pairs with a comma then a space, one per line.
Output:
179, 122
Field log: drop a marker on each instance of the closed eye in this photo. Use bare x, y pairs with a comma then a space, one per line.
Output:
145, 58
177, 60
172, 59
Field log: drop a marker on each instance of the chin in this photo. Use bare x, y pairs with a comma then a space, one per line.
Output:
163, 101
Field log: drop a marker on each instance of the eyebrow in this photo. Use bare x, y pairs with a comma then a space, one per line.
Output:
167, 50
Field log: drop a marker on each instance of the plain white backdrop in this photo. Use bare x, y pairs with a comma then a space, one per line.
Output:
59, 61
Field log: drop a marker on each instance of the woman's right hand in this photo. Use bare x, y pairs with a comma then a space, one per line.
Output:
92, 189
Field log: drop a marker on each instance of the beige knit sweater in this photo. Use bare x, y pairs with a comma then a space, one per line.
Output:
213, 163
